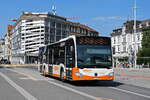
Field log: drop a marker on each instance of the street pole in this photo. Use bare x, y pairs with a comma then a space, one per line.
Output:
134, 34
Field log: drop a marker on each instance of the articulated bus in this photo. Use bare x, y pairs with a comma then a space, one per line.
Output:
77, 58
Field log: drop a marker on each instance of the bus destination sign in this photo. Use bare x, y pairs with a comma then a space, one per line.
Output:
93, 40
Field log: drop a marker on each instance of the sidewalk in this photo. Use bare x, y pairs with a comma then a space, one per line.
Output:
18, 65
138, 77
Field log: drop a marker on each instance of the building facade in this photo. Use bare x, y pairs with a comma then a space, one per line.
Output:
2, 47
7, 49
33, 30
80, 29
123, 40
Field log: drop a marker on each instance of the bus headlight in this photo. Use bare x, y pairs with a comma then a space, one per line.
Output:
111, 74
78, 74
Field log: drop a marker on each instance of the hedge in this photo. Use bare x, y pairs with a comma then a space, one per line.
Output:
143, 60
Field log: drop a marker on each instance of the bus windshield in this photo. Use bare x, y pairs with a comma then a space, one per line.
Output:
94, 56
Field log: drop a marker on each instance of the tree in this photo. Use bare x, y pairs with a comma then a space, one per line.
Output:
144, 53
145, 50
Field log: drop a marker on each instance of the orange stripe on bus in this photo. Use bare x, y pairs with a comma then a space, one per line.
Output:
87, 70
47, 73
56, 75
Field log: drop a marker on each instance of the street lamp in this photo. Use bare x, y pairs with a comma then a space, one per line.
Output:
134, 34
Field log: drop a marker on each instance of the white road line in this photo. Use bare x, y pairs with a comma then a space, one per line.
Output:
30, 76
67, 88
27, 95
142, 95
23, 74
77, 92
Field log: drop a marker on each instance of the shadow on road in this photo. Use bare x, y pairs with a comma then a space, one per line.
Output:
91, 83
96, 83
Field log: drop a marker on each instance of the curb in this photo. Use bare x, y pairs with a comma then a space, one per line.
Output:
133, 69
19, 65
134, 76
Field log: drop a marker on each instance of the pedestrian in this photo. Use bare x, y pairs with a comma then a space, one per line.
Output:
128, 65
142, 65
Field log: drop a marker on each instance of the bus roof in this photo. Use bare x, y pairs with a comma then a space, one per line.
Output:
73, 37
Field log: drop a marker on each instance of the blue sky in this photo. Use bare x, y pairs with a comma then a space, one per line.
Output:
101, 15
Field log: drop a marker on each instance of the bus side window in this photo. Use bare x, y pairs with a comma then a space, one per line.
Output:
44, 58
61, 56
56, 56
50, 56
70, 59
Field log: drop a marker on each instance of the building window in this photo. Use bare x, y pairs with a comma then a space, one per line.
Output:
58, 32
124, 48
114, 41
113, 50
58, 25
124, 39
53, 24
52, 38
64, 27
52, 31
58, 38
29, 20
138, 37
118, 49
46, 29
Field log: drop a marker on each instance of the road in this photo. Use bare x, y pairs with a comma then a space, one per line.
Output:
28, 84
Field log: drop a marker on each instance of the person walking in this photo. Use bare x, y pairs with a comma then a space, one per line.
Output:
142, 65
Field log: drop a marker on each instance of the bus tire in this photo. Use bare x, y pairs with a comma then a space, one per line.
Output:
62, 75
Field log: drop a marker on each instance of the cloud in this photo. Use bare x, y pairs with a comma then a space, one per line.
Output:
109, 18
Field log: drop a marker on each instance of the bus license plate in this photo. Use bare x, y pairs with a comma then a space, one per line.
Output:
95, 78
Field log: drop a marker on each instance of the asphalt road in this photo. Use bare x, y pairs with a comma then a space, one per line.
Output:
28, 84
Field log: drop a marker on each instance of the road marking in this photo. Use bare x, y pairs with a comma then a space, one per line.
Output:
77, 92
65, 87
142, 95
31, 77
26, 94
24, 78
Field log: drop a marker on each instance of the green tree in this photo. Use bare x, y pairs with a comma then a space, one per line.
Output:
145, 50
144, 53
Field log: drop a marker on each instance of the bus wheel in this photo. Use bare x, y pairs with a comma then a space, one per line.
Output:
62, 76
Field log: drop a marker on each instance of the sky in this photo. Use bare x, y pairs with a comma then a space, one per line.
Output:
102, 15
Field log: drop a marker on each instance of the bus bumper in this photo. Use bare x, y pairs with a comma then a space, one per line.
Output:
77, 76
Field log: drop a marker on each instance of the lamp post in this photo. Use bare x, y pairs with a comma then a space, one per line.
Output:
134, 34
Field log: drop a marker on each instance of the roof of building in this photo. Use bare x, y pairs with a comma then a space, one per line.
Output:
43, 15
129, 27
82, 26
145, 21
116, 32
36, 16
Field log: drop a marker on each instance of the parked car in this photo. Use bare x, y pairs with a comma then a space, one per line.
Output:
4, 61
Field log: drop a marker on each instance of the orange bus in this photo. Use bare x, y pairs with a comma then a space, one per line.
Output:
77, 58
